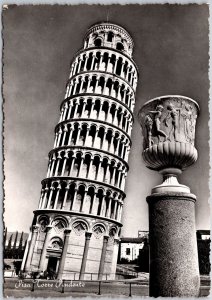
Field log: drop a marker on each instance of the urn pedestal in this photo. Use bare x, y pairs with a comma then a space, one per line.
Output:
168, 125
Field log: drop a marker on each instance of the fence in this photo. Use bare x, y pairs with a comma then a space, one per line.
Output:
121, 274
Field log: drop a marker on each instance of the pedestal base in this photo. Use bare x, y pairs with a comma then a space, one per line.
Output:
174, 270
170, 182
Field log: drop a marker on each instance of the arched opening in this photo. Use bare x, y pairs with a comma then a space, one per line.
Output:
112, 171
60, 164
98, 42
120, 46
91, 136
79, 227
100, 199
117, 174
43, 222
70, 197
53, 193
77, 205
110, 36
61, 196
91, 192
98, 230
67, 134
54, 251
82, 135
95, 166
112, 234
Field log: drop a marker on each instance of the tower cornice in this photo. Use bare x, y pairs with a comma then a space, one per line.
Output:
110, 26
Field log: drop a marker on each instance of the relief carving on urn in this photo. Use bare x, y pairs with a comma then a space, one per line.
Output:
168, 125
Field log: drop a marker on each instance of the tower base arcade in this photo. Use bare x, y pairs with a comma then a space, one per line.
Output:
72, 246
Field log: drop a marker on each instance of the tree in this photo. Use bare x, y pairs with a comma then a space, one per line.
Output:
20, 247
25, 245
4, 241
143, 258
9, 247
14, 250
5, 237
17, 266
204, 256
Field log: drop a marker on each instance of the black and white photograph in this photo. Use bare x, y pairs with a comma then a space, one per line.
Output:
106, 150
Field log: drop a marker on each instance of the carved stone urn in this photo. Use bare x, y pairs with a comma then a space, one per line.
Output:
168, 125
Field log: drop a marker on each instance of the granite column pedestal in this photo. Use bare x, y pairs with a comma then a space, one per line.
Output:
168, 124
174, 270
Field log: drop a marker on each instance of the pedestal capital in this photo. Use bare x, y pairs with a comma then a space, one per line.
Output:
171, 196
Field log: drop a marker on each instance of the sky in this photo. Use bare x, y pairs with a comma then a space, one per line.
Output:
171, 47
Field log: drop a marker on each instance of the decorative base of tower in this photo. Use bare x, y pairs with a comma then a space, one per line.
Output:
86, 250
174, 270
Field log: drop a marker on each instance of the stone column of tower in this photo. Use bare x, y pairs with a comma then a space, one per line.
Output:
83, 191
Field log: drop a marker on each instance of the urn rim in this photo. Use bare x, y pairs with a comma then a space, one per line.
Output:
171, 96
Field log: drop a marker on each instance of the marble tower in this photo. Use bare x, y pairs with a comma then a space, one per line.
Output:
75, 230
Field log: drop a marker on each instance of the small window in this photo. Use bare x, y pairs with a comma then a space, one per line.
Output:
120, 47
98, 42
56, 244
127, 251
110, 36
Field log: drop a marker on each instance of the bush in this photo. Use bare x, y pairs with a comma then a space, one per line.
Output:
124, 260
22, 275
17, 266
143, 258
6, 266
204, 256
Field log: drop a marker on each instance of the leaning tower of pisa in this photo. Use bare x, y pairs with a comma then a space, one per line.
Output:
75, 230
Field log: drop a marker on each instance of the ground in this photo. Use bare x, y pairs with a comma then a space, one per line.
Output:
46, 288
